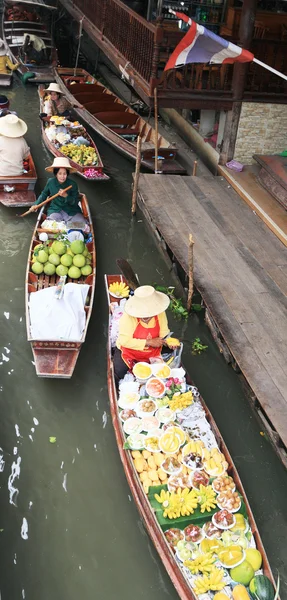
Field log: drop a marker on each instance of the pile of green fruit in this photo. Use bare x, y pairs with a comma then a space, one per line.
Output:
73, 260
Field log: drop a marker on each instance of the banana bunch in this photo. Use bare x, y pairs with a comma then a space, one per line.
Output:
175, 504
193, 447
214, 461
202, 564
182, 401
206, 498
213, 581
120, 289
82, 155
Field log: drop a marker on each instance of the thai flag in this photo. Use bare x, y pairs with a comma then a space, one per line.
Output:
200, 45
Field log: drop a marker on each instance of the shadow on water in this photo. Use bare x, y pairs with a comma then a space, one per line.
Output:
69, 527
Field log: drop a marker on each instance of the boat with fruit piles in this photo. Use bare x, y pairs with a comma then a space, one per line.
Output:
57, 357
19, 190
84, 158
29, 18
183, 480
115, 121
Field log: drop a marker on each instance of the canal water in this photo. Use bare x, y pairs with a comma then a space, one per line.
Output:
68, 526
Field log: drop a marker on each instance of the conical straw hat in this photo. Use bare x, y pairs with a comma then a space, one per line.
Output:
146, 302
58, 162
13, 127
54, 87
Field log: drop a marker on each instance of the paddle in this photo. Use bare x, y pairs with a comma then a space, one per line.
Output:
128, 273
45, 202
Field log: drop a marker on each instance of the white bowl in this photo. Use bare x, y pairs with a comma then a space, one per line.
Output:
145, 364
132, 425
149, 423
157, 367
236, 564
142, 413
219, 526
125, 399
152, 393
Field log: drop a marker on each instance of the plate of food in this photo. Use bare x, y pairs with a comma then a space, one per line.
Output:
119, 289
136, 441
128, 399
178, 481
229, 500
142, 371
161, 370
194, 534
127, 413
155, 387
133, 425
164, 414
146, 408
193, 461
211, 531
223, 519
171, 465
231, 557
149, 423
151, 443
198, 478
169, 442
173, 536
223, 484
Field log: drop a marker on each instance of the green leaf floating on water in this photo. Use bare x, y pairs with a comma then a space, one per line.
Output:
52, 439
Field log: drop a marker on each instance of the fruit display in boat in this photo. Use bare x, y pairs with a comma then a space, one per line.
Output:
171, 465
224, 483
178, 481
195, 447
119, 289
59, 255
243, 573
169, 442
261, 588
82, 155
223, 519
212, 582
176, 504
210, 545
204, 563
181, 401
211, 531
231, 556
206, 498
214, 462
173, 536
229, 500
193, 533
254, 557
148, 466
186, 550
199, 478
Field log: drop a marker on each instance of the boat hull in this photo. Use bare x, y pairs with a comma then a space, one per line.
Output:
22, 188
181, 584
54, 358
102, 107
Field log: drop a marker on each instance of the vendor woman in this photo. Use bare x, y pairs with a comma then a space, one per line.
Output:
141, 329
56, 104
66, 206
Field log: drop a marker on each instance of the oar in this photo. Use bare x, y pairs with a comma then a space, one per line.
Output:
45, 202
128, 273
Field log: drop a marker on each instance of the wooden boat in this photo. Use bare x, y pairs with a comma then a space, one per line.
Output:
29, 17
52, 358
91, 173
21, 186
6, 79
143, 504
115, 121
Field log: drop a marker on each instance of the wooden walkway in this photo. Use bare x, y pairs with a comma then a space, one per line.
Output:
240, 269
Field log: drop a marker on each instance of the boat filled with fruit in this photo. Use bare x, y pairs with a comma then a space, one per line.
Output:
59, 291
65, 137
183, 479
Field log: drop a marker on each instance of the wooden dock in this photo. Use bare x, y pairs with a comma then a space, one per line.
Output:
240, 269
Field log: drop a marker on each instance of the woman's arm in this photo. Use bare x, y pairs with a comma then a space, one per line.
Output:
163, 325
11, 65
125, 339
73, 194
45, 193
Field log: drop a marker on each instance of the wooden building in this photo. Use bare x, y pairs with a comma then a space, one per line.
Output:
234, 100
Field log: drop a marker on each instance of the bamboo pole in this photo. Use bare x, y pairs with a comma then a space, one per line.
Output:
79, 44
194, 168
45, 202
137, 175
156, 132
190, 272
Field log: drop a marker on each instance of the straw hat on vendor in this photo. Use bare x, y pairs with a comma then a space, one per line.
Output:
60, 162
54, 87
142, 329
12, 127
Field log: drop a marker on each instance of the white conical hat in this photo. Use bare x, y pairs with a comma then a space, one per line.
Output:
13, 127
54, 87
146, 302
58, 162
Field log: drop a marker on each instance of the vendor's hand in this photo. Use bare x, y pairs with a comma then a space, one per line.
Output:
33, 208
154, 343
63, 194
78, 106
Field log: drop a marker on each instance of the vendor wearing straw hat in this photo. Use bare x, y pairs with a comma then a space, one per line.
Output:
56, 103
5, 63
66, 206
13, 147
141, 329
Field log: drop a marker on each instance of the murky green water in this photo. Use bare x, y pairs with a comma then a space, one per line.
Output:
69, 528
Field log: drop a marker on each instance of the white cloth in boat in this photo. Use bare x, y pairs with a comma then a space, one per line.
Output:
53, 319
38, 43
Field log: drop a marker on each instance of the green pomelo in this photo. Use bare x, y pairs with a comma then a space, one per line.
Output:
54, 259
61, 270
49, 269
243, 573
79, 260
74, 272
254, 557
78, 247
59, 248
38, 247
67, 260
88, 261
89, 256
86, 270
37, 268
86, 252
42, 256
50, 250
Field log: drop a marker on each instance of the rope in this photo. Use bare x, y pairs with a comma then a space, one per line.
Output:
79, 44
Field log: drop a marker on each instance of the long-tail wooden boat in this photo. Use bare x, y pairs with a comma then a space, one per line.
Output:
57, 359
148, 512
19, 190
115, 121
92, 172
28, 17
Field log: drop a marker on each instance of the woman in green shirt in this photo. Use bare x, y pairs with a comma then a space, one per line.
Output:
66, 206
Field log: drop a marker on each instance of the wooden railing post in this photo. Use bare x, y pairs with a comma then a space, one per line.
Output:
158, 36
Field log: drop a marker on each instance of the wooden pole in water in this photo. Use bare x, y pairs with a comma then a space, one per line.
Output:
79, 44
137, 175
156, 131
190, 272
194, 168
